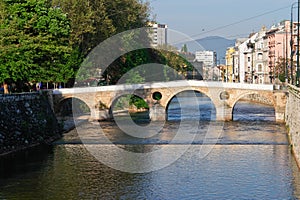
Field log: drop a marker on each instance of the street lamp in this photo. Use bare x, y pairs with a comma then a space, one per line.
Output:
292, 43
251, 46
298, 43
286, 58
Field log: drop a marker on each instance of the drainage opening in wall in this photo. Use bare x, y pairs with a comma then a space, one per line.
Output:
157, 96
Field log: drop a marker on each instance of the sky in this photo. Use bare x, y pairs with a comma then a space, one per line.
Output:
230, 19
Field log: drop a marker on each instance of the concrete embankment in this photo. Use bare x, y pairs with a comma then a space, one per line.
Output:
26, 120
292, 119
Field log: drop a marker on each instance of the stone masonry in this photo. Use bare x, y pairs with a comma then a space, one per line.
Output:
223, 95
293, 120
26, 120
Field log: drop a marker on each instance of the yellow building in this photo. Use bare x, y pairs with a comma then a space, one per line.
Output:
222, 69
228, 71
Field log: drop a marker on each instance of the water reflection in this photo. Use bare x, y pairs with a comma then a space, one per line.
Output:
181, 107
251, 160
229, 172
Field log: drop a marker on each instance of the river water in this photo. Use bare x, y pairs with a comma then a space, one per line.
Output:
249, 159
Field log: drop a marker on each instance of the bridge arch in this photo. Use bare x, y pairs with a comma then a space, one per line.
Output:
72, 105
199, 106
265, 96
174, 93
127, 99
257, 97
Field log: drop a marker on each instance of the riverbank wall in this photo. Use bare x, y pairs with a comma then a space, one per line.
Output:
26, 120
292, 119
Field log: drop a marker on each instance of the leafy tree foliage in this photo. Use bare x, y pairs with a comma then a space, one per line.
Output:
280, 69
184, 48
46, 41
94, 21
34, 42
168, 58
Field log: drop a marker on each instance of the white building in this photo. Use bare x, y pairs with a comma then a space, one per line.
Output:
246, 59
209, 58
159, 34
261, 69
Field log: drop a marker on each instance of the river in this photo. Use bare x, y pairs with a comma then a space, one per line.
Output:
250, 159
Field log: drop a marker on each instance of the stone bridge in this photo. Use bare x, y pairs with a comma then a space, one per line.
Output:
224, 96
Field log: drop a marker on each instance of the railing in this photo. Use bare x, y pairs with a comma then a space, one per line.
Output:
294, 90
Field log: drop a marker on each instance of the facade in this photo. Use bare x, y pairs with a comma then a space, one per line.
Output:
211, 73
277, 43
261, 70
229, 62
209, 58
236, 66
159, 34
236, 59
222, 71
248, 61
246, 58
291, 52
264, 57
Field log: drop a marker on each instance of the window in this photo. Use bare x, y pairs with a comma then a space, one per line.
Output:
260, 56
259, 68
249, 59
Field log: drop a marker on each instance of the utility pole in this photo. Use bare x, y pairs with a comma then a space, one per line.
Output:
298, 43
292, 46
286, 58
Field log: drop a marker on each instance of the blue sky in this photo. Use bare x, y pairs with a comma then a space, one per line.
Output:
226, 18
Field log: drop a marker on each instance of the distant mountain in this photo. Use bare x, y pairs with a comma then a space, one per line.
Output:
211, 43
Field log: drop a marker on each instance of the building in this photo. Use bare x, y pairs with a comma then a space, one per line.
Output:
209, 58
236, 59
246, 58
159, 34
236, 67
222, 72
264, 57
261, 70
229, 62
278, 42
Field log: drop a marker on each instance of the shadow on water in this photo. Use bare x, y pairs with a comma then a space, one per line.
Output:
250, 111
23, 162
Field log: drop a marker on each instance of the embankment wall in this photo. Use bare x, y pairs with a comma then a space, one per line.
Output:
26, 120
292, 119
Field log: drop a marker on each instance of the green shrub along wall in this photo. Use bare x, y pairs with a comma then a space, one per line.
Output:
26, 120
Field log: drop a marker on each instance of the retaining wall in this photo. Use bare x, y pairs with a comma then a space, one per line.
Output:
292, 119
26, 120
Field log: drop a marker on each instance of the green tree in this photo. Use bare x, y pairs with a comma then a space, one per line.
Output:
94, 21
34, 42
184, 48
280, 69
167, 59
